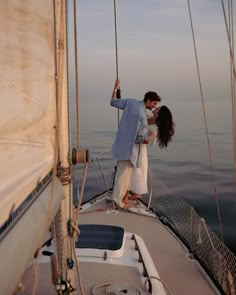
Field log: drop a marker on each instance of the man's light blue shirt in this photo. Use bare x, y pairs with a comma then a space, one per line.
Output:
133, 128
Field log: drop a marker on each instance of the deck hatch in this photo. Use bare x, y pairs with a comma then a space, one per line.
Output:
96, 236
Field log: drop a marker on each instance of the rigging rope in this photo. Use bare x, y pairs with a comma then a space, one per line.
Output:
206, 126
81, 156
233, 82
117, 289
158, 279
117, 63
76, 231
76, 75
116, 40
230, 34
230, 18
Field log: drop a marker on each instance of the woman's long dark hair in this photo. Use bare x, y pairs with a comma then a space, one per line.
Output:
165, 127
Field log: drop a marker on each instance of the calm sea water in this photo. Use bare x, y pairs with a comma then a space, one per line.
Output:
184, 167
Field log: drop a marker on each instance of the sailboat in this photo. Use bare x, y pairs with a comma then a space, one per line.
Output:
50, 246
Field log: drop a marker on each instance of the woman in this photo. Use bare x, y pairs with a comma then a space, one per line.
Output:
162, 117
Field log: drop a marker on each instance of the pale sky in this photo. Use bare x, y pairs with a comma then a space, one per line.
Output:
155, 49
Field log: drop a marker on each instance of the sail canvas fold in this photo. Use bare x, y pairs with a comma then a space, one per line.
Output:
28, 98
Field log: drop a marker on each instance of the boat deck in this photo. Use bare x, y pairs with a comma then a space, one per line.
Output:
182, 275
170, 257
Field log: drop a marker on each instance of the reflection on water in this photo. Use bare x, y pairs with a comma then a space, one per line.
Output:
184, 167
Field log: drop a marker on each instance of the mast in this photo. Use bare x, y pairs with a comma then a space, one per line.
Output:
63, 241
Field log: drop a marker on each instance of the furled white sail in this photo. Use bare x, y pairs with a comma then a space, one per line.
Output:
28, 98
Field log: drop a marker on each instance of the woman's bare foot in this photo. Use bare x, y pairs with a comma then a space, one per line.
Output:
135, 197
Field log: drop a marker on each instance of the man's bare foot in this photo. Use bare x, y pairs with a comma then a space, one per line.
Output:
122, 205
125, 199
135, 197
127, 205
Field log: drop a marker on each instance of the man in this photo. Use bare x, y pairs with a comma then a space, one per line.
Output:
133, 130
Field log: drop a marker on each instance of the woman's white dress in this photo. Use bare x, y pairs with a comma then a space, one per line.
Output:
138, 182
139, 177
